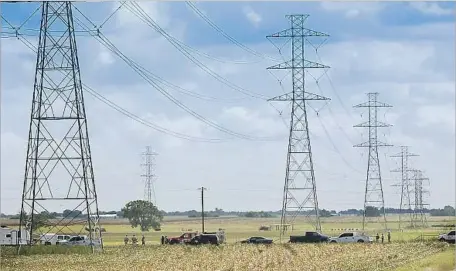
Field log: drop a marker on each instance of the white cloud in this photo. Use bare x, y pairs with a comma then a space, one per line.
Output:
402, 70
441, 115
252, 16
431, 8
352, 9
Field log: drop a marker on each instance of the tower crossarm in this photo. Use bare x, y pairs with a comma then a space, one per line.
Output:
372, 104
369, 124
298, 64
369, 144
288, 33
298, 96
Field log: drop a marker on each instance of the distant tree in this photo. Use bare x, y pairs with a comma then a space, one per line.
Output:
446, 211
143, 214
449, 211
261, 214
325, 213
372, 211
40, 220
71, 213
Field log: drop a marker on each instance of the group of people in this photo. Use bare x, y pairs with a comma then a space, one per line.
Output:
383, 237
134, 240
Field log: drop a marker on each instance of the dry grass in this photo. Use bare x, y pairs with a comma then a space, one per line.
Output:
345, 257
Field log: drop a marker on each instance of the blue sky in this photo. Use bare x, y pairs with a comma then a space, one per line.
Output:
403, 50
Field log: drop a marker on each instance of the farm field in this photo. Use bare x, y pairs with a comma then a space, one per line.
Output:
404, 252
345, 257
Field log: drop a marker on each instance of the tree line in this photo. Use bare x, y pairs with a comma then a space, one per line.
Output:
370, 211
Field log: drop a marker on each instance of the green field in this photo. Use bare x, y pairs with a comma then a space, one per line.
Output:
406, 252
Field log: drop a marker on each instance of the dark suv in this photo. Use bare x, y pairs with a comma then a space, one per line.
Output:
201, 239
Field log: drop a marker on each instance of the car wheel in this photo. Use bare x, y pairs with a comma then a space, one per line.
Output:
442, 240
333, 241
360, 241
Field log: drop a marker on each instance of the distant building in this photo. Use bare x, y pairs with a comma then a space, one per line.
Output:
108, 216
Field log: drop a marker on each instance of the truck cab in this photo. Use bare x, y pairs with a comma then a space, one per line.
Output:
447, 237
309, 237
351, 237
184, 238
80, 240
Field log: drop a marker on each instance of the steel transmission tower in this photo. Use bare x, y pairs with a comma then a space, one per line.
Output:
406, 202
299, 194
58, 170
419, 217
149, 175
373, 194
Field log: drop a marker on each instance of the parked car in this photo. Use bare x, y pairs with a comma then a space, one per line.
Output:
80, 240
204, 239
183, 238
447, 237
53, 238
309, 237
351, 237
257, 240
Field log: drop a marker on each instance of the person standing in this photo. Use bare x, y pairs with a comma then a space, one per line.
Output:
377, 237
126, 239
383, 238
143, 240
134, 240
163, 240
389, 236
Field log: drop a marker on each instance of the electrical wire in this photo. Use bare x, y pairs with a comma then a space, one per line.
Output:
141, 14
130, 115
201, 14
140, 71
198, 52
154, 76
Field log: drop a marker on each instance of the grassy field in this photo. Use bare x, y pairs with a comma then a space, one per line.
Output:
404, 253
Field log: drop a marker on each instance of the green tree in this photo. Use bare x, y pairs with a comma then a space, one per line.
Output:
40, 220
449, 211
372, 211
143, 214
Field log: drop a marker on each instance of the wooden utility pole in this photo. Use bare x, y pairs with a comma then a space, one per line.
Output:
202, 206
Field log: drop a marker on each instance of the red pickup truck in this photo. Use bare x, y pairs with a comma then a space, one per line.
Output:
184, 238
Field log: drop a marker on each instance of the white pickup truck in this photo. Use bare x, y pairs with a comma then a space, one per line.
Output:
53, 238
447, 237
351, 237
81, 240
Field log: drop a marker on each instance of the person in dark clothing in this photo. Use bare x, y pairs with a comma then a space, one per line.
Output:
389, 237
377, 237
134, 240
143, 240
163, 240
383, 238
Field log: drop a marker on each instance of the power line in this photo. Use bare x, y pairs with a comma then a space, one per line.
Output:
132, 116
141, 14
140, 71
227, 36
